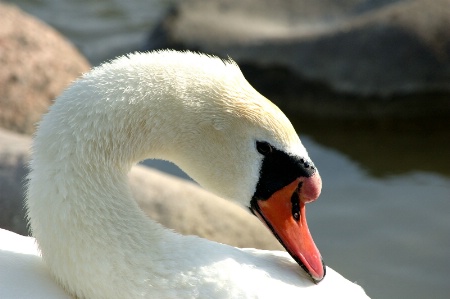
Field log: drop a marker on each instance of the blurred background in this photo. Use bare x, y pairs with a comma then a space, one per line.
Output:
366, 83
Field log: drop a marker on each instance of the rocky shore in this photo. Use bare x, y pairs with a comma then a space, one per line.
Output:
337, 60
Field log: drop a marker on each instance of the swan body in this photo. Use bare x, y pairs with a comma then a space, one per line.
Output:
23, 274
199, 112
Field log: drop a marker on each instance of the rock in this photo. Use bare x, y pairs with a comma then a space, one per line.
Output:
346, 59
14, 157
175, 203
37, 63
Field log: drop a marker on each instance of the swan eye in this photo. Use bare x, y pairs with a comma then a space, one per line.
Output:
264, 148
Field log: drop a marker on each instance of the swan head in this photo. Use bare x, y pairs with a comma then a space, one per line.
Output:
239, 145
199, 112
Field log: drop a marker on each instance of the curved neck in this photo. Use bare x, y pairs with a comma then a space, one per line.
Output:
79, 203
80, 206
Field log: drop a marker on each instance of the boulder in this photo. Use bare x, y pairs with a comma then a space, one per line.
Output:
173, 202
345, 59
14, 156
37, 63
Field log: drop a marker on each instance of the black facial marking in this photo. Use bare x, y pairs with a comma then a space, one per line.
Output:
278, 170
252, 208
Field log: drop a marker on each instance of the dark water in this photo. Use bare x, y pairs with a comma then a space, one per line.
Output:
383, 218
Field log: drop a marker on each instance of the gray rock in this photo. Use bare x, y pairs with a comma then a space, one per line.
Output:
14, 157
343, 59
175, 203
37, 63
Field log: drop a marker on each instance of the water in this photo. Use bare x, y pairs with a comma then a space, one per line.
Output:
101, 29
382, 219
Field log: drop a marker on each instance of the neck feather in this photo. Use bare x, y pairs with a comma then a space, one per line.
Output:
80, 206
93, 236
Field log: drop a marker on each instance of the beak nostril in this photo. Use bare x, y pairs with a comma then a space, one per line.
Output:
295, 201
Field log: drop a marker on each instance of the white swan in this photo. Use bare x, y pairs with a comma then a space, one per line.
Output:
199, 112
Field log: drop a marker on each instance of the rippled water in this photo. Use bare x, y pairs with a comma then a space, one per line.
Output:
383, 217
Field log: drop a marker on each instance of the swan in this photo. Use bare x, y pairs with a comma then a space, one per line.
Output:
198, 111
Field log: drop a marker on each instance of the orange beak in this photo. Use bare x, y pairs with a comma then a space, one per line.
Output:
285, 215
